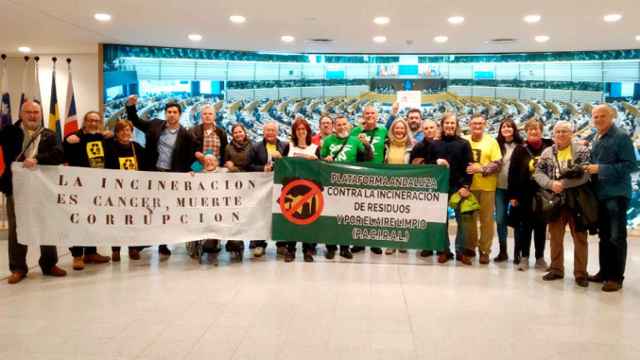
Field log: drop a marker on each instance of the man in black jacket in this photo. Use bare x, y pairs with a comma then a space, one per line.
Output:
261, 158
39, 146
169, 147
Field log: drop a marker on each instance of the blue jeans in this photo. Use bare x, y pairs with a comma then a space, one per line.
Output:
612, 231
502, 205
459, 246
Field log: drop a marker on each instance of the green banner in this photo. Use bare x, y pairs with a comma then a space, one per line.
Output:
395, 206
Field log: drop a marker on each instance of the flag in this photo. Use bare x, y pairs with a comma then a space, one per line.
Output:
71, 114
5, 99
26, 89
36, 88
54, 109
31, 84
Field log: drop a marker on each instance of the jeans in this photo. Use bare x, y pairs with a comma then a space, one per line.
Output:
612, 231
502, 205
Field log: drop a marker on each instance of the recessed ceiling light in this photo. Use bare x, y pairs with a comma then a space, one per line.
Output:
379, 39
542, 38
612, 18
24, 49
381, 20
441, 39
287, 38
456, 20
102, 17
532, 19
237, 19
194, 37
637, 37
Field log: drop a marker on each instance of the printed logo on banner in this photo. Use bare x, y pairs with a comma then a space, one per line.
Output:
301, 201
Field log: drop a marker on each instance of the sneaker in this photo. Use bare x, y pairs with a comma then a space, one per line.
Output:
541, 264
96, 259
426, 253
389, 251
134, 254
78, 263
164, 250
281, 251
346, 254
258, 251
524, 264
308, 256
330, 254
115, 256
289, 256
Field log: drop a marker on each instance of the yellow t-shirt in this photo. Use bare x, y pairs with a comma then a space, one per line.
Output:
484, 151
565, 159
396, 154
271, 148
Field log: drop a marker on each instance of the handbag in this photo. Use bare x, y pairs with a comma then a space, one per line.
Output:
547, 205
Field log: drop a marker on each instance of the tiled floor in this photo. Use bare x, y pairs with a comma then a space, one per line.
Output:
375, 307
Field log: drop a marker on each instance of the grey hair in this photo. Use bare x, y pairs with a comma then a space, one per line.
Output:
563, 123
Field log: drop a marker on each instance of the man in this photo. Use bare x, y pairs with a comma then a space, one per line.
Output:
344, 148
209, 139
28, 142
484, 168
612, 161
326, 129
430, 130
168, 145
261, 158
86, 148
556, 172
414, 119
371, 133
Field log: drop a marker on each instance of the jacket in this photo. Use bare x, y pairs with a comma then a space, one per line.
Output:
238, 155
521, 185
615, 156
197, 133
457, 152
547, 169
183, 151
258, 155
407, 152
11, 136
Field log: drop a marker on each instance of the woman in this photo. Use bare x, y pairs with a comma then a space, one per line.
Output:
521, 189
301, 146
236, 159
508, 140
398, 146
560, 170
124, 154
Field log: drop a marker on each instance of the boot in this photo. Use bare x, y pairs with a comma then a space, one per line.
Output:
502, 256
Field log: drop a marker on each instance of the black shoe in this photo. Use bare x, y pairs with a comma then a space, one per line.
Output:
376, 250
582, 282
308, 256
289, 256
357, 249
552, 276
346, 254
164, 250
426, 253
597, 278
330, 254
502, 257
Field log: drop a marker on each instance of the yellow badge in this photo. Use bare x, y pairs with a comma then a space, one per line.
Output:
128, 163
94, 149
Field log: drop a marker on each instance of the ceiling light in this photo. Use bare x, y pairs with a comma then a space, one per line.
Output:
612, 18
102, 17
287, 38
24, 49
532, 19
379, 39
441, 39
381, 20
194, 37
637, 37
542, 38
456, 20
237, 19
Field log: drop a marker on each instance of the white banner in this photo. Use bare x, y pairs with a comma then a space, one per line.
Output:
66, 206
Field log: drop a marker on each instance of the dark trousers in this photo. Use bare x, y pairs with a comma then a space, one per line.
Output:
291, 246
18, 252
526, 228
335, 247
78, 251
117, 248
612, 231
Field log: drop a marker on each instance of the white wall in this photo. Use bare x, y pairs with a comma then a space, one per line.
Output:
85, 82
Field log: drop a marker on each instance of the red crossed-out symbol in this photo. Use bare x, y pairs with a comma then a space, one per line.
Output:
301, 202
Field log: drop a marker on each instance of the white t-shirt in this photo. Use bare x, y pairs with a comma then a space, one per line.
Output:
295, 151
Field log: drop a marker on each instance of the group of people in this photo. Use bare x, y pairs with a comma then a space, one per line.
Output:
494, 183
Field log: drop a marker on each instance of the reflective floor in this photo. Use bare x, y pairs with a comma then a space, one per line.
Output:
374, 307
